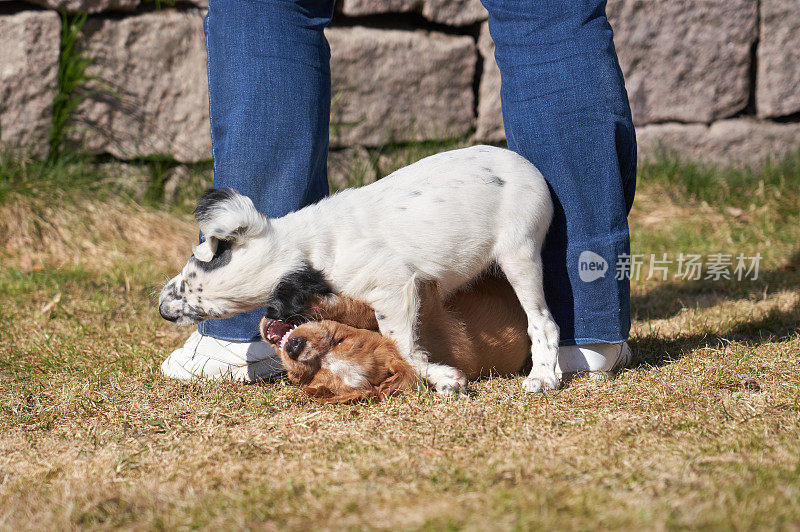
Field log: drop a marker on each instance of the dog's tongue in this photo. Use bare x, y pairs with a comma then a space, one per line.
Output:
275, 330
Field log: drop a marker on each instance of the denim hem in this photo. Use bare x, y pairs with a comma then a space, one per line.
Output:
228, 337
237, 340
584, 341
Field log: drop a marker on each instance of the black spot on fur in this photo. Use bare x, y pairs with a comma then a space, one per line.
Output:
438, 200
380, 317
415, 193
222, 256
491, 178
193, 313
191, 275
401, 208
238, 231
290, 298
209, 199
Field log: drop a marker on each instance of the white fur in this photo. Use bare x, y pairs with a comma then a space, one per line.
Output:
205, 250
445, 218
235, 219
351, 373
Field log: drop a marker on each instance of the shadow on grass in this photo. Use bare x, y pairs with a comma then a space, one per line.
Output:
774, 326
670, 298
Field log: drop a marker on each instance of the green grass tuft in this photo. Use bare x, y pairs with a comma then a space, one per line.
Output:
32, 177
73, 77
777, 182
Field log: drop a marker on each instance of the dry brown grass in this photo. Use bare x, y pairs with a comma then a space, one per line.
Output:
38, 232
93, 436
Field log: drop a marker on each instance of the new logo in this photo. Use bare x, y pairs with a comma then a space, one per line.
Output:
591, 266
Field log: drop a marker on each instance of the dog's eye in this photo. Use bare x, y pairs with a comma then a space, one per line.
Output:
337, 341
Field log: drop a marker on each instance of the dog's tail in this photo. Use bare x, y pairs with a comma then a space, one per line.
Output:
225, 214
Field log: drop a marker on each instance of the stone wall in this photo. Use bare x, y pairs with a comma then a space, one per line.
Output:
716, 80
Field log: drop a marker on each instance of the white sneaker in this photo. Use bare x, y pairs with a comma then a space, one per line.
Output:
205, 357
600, 361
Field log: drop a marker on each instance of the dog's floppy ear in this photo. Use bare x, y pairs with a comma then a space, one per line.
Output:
321, 393
225, 214
347, 397
326, 388
401, 378
204, 251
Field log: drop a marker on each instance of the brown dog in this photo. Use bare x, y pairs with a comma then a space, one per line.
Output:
480, 330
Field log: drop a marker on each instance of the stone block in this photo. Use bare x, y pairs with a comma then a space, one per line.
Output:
28, 77
154, 96
396, 85
778, 77
686, 61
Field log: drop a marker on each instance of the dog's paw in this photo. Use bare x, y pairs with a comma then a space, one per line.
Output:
449, 381
539, 381
450, 390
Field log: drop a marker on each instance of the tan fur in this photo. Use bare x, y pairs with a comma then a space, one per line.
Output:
381, 365
480, 330
344, 310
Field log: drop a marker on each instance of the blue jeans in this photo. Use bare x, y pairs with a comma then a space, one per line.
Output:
565, 109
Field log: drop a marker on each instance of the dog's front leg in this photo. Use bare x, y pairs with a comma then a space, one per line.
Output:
397, 312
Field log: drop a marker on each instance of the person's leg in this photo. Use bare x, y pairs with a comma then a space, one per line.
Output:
565, 109
269, 102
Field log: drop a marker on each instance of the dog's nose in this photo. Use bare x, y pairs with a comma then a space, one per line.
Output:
165, 315
295, 346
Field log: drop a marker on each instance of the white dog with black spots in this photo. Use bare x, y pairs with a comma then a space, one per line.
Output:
446, 218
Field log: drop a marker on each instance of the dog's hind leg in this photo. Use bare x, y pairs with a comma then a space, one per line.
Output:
397, 313
523, 269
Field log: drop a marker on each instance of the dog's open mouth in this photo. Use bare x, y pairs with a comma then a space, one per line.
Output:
277, 332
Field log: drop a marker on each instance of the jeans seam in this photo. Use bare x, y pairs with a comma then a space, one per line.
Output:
208, 76
584, 341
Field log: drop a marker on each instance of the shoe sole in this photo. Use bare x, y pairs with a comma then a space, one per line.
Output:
624, 359
261, 370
